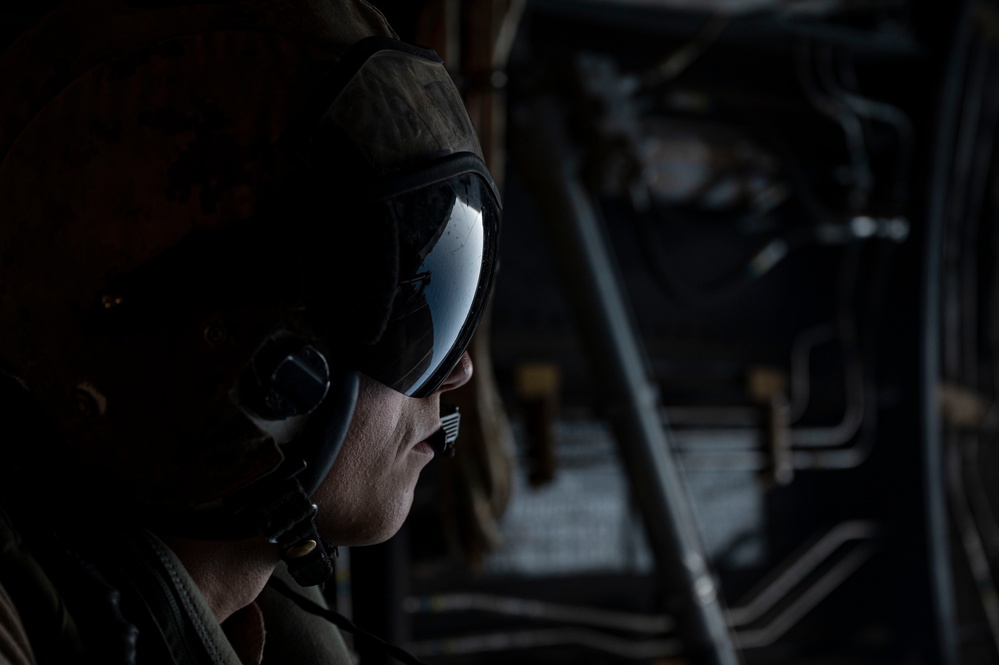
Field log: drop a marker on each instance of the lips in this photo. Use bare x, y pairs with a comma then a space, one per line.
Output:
426, 443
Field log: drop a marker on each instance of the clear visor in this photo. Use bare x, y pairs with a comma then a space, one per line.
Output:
449, 229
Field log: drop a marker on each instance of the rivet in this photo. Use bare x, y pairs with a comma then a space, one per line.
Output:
215, 334
302, 549
278, 404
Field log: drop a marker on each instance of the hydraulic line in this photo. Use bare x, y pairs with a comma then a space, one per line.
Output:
874, 110
801, 350
778, 586
847, 120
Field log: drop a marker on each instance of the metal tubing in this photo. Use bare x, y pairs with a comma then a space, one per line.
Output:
794, 573
773, 590
812, 596
531, 608
934, 493
617, 359
546, 638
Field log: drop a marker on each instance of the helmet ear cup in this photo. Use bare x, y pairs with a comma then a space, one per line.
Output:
289, 377
286, 377
320, 442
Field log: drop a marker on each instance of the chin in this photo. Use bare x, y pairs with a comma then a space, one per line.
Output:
374, 525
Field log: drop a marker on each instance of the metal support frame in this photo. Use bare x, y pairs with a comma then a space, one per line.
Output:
934, 485
618, 361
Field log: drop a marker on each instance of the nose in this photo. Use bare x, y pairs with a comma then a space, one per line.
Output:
460, 375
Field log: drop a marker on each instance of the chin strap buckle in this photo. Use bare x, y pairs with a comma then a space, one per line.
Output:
309, 561
287, 519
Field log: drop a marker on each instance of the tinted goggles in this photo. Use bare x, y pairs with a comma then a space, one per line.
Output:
448, 221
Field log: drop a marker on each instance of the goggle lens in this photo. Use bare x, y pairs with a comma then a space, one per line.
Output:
451, 227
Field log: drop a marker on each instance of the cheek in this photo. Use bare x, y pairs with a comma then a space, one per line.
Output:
368, 492
364, 499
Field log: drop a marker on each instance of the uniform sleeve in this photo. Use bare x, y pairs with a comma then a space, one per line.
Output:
14, 647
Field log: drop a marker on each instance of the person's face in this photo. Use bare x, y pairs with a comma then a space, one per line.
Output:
368, 493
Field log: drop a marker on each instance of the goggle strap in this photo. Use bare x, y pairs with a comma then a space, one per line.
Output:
437, 171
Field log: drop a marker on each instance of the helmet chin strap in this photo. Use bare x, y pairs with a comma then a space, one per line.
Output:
287, 515
288, 520
279, 506
280, 509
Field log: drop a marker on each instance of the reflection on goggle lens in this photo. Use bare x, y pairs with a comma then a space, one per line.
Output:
450, 228
458, 255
